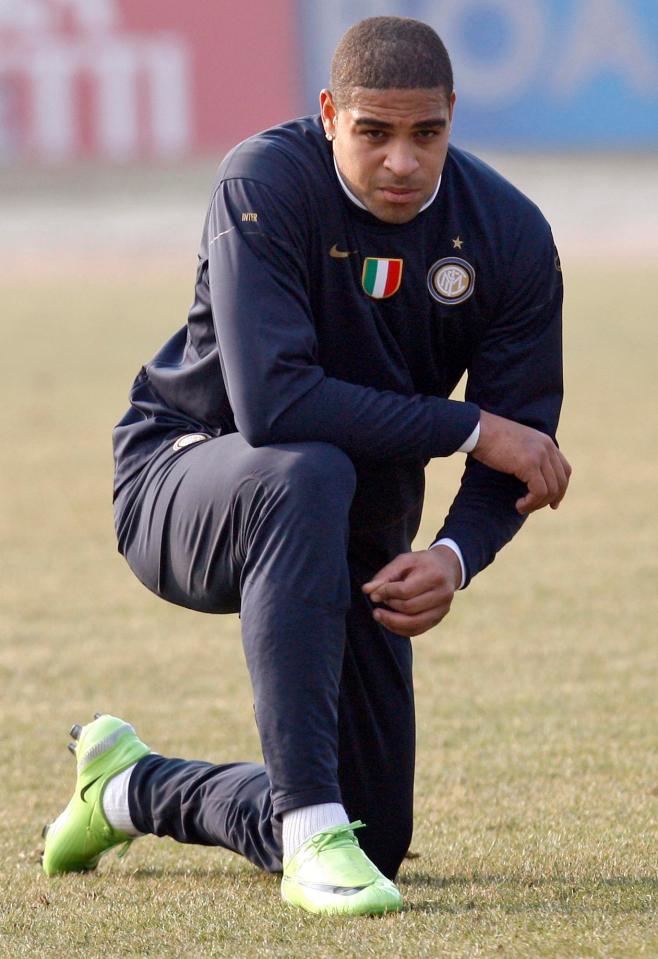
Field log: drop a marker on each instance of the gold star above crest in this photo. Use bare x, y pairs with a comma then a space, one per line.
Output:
457, 243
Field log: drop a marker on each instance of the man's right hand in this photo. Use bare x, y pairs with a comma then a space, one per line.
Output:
529, 455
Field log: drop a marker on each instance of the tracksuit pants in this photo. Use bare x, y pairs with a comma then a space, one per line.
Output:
272, 533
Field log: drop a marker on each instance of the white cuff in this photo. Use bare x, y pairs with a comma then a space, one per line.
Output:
471, 441
450, 543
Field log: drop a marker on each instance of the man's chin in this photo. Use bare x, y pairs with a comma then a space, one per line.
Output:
395, 212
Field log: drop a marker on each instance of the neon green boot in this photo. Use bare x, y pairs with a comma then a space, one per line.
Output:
80, 835
330, 874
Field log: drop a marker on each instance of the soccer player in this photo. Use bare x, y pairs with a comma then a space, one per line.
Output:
353, 265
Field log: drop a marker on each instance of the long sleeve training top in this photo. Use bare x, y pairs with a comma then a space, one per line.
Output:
313, 320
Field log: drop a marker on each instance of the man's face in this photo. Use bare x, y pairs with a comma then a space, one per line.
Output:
390, 146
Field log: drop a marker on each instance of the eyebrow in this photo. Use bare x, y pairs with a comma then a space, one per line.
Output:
384, 125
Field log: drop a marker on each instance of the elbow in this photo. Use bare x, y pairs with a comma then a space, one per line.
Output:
265, 423
256, 434
256, 429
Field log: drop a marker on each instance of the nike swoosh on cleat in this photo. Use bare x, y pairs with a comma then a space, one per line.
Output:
88, 786
335, 890
340, 254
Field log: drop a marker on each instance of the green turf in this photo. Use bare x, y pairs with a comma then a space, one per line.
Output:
537, 785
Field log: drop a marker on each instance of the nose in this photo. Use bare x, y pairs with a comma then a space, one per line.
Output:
401, 159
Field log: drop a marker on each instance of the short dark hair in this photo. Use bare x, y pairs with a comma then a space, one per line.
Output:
382, 53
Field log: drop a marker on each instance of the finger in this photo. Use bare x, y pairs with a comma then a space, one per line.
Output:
536, 495
562, 472
548, 486
531, 504
404, 625
418, 581
392, 571
552, 481
409, 575
419, 604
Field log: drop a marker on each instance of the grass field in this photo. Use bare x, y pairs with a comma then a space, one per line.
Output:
537, 786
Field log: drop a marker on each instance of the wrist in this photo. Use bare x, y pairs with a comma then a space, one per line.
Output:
471, 440
451, 563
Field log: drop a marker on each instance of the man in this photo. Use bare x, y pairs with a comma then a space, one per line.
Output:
352, 267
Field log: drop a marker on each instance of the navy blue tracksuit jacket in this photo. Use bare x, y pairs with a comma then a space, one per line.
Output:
290, 340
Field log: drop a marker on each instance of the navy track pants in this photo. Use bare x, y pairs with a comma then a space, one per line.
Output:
270, 532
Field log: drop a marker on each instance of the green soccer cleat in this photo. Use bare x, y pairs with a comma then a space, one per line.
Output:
330, 874
80, 835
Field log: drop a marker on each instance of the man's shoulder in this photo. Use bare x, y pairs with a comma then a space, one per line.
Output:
282, 157
486, 186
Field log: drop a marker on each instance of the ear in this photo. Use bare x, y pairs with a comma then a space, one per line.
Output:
328, 112
451, 106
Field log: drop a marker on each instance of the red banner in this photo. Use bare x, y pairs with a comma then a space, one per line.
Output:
124, 80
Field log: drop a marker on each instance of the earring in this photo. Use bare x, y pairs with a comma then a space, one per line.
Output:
329, 136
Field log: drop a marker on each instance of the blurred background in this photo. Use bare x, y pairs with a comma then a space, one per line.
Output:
114, 113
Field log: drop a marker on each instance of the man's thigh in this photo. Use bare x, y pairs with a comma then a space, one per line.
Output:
187, 527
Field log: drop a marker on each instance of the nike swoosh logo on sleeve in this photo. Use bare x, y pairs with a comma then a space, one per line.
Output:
223, 233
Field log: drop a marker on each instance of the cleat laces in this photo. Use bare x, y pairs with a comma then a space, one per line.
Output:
336, 837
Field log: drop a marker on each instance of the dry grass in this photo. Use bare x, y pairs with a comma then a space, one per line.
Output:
537, 777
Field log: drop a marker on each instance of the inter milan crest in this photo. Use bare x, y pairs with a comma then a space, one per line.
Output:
381, 278
188, 440
451, 280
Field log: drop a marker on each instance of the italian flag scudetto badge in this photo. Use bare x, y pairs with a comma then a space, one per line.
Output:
381, 278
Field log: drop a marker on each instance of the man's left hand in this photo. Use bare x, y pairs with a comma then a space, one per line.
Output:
417, 588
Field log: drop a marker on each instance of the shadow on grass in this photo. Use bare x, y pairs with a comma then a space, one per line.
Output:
499, 879
515, 895
515, 890
235, 874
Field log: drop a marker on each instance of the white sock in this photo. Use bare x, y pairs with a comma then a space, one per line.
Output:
115, 803
300, 824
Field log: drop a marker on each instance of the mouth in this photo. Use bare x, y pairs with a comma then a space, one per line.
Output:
399, 194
